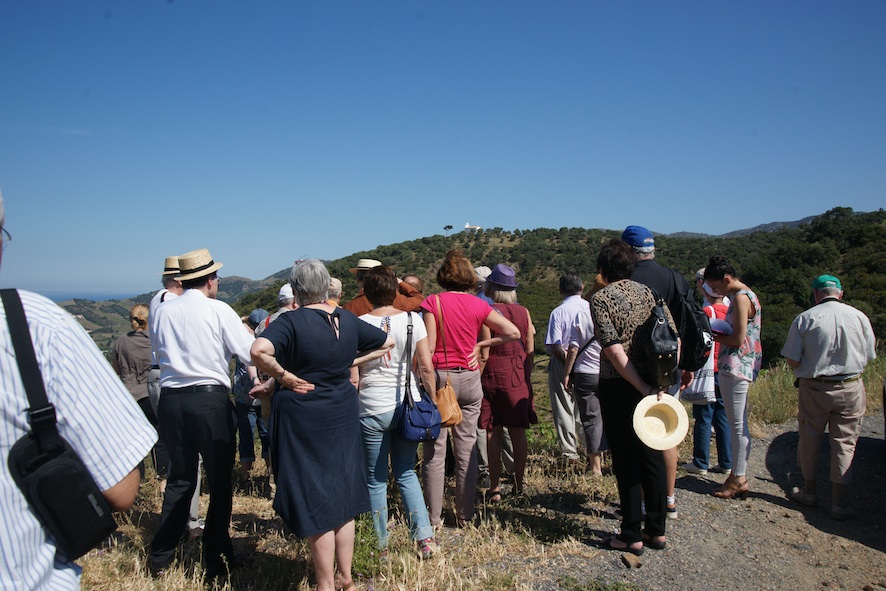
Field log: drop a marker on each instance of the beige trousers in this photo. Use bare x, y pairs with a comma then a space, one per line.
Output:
840, 408
464, 435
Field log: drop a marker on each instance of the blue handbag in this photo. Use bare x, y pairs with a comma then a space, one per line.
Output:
419, 421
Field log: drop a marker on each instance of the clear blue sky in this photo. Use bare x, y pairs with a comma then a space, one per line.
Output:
268, 131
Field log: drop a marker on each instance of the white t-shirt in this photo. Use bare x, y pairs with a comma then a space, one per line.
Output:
383, 381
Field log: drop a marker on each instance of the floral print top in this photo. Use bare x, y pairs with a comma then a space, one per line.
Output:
744, 362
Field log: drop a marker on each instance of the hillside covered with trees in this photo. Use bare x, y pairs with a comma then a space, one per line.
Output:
779, 265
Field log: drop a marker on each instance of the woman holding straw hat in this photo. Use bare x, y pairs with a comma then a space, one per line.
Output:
620, 312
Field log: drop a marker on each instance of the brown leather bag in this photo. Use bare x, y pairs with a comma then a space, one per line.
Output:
447, 403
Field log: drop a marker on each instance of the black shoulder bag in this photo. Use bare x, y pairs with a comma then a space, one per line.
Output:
50, 474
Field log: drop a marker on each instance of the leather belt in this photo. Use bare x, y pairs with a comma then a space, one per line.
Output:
205, 388
828, 380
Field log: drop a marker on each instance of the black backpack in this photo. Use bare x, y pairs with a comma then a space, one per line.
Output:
661, 349
696, 337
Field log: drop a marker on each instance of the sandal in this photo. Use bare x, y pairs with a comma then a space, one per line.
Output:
493, 497
610, 543
656, 543
732, 489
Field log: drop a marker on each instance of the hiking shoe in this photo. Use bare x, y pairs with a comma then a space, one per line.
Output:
693, 469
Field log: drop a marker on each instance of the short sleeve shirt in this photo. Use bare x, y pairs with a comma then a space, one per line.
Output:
830, 339
620, 311
463, 315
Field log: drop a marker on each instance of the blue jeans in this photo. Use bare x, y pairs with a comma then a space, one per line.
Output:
380, 440
705, 416
248, 418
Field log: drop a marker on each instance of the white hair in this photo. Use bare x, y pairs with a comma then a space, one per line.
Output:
310, 282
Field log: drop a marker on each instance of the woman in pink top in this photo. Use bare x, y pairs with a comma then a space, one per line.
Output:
456, 354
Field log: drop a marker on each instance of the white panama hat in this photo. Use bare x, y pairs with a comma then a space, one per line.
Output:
661, 424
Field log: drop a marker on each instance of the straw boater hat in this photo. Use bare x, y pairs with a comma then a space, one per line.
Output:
660, 424
196, 263
170, 267
365, 265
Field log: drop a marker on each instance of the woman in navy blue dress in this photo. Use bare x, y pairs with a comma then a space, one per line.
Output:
316, 450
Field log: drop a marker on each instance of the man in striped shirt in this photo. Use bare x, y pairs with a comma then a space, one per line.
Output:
95, 414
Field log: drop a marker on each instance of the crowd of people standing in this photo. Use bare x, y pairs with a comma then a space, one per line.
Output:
325, 387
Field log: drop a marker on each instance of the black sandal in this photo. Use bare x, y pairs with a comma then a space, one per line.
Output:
656, 544
608, 543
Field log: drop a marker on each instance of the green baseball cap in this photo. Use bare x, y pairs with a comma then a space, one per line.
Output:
825, 282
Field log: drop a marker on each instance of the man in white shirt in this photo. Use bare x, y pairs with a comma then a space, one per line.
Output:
567, 422
95, 413
172, 288
197, 335
828, 346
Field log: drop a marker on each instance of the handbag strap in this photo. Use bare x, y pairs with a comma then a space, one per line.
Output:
442, 328
41, 413
408, 395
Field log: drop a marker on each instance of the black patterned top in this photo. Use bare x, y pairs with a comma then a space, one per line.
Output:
620, 311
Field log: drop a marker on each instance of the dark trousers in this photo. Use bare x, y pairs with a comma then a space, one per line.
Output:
158, 454
639, 470
585, 388
195, 423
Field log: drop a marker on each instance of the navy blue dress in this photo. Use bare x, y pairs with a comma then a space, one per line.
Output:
316, 449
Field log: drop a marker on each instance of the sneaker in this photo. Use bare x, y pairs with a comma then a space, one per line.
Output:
672, 512
720, 469
693, 469
802, 497
841, 513
427, 548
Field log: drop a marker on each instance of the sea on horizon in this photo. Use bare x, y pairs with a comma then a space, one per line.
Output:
63, 296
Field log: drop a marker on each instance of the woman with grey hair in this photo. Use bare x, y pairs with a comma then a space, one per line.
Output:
316, 448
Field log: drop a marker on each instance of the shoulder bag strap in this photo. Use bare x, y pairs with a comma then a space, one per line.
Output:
41, 413
442, 328
408, 395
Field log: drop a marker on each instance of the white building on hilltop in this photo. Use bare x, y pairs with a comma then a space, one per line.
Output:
470, 228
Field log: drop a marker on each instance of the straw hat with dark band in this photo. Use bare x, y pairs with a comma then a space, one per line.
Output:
196, 263
171, 266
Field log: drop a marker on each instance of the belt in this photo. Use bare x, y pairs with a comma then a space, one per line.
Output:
205, 388
829, 380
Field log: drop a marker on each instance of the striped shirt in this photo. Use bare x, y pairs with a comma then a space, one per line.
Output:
96, 415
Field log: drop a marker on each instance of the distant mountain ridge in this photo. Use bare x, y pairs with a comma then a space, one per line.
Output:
778, 260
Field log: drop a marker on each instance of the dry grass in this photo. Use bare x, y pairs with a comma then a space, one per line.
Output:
558, 521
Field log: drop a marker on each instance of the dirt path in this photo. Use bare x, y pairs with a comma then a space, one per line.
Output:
766, 542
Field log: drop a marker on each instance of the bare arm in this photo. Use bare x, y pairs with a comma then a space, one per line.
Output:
376, 354
505, 331
263, 357
431, 326
425, 367
571, 356
625, 368
557, 352
485, 333
742, 311
792, 363
121, 496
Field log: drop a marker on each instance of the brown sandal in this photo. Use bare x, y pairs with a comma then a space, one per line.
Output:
732, 489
